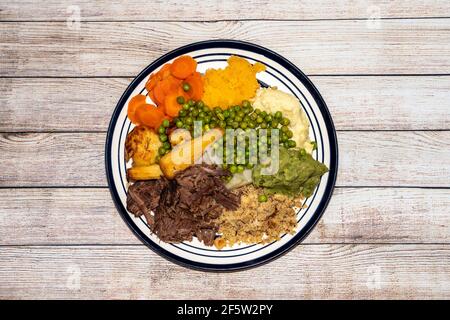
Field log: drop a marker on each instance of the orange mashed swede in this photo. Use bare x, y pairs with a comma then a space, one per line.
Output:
230, 86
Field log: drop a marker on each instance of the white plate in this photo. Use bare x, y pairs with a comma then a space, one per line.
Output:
280, 73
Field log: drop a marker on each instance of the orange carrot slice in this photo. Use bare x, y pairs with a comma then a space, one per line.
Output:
159, 93
183, 66
134, 103
172, 107
195, 82
150, 115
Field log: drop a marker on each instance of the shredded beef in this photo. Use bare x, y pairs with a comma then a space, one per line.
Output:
186, 206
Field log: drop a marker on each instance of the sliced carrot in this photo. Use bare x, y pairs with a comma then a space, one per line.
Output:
172, 107
170, 84
164, 72
183, 66
195, 82
134, 103
150, 115
159, 93
151, 94
151, 83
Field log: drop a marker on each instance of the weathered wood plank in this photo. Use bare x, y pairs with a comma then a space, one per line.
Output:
309, 271
215, 10
407, 158
317, 47
354, 215
379, 103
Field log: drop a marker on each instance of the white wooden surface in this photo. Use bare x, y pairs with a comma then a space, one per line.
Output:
383, 69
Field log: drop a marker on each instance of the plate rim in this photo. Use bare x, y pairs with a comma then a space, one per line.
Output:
334, 156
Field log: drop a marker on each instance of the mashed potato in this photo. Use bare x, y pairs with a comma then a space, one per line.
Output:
273, 100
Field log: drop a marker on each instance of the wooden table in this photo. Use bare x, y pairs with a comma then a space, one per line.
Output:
384, 71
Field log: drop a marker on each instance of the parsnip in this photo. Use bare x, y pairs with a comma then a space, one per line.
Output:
187, 153
144, 172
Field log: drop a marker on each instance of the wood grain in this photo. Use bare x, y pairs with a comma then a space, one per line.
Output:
354, 215
407, 158
379, 103
319, 271
317, 47
215, 10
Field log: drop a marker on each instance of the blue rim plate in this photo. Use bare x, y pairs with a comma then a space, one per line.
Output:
280, 73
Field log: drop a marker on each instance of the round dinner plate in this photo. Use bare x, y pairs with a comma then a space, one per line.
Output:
280, 73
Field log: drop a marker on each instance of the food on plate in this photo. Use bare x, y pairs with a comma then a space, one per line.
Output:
142, 146
298, 174
272, 100
187, 153
184, 207
174, 83
150, 172
230, 86
255, 221
201, 148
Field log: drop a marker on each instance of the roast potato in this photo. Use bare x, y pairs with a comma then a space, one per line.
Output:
142, 146
144, 172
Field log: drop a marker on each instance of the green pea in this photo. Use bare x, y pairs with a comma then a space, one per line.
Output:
200, 104
238, 119
206, 127
232, 114
262, 198
163, 137
251, 125
284, 129
180, 99
161, 130
226, 113
191, 102
217, 110
233, 168
289, 134
285, 121
268, 118
274, 124
201, 114
302, 152
263, 125
166, 123
167, 151
186, 86
244, 125
314, 143
220, 116
240, 168
167, 145
259, 120
246, 103
205, 108
194, 113
224, 166
188, 120
278, 115
263, 114
249, 165
241, 114
179, 124
236, 108
162, 150
291, 143
182, 113
186, 107
257, 111
235, 124
222, 124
